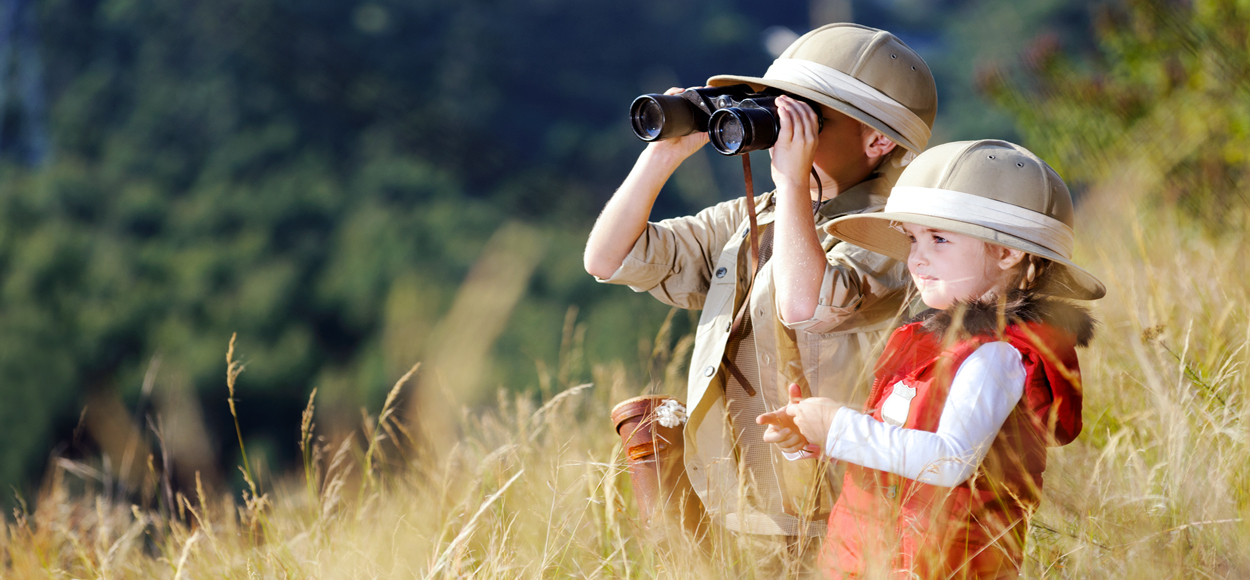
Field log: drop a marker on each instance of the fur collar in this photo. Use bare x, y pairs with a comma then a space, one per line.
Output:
982, 316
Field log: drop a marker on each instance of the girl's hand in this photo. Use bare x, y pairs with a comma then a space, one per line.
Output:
796, 146
782, 430
677, 150
813, 416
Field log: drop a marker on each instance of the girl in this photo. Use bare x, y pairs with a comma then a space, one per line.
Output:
945, 464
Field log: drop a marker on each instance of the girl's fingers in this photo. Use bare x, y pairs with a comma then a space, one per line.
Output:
779, 436
771, 418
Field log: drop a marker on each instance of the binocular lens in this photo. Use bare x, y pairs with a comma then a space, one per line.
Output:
650, 121
656, 117
729, 134
740, 130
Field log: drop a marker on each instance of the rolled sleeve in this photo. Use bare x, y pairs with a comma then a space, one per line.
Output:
647, 264
855, 280
673, 258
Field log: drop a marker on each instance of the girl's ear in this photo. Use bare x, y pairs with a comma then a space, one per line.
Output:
1007, 258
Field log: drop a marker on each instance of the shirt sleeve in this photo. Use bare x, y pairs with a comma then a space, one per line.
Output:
986, 388
674, 259
859, 287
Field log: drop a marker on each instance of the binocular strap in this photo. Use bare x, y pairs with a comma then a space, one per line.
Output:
758, 250
755, 268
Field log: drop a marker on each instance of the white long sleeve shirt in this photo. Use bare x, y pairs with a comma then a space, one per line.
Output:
985, 389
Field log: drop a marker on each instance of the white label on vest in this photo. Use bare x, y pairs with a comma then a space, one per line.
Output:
894, 410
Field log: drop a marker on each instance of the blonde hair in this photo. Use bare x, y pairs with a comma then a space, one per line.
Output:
1032, 273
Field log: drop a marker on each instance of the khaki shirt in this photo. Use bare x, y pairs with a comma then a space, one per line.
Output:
701, 262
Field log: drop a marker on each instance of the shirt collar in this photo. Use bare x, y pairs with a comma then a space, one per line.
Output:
866, 196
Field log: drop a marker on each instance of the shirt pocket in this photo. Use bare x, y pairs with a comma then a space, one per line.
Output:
838, 365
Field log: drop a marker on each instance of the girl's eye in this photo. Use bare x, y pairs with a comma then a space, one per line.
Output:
939, 239
911, 238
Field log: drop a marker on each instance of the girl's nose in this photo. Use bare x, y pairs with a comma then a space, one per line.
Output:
917, 256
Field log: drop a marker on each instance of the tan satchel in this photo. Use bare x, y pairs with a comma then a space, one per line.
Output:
650, 427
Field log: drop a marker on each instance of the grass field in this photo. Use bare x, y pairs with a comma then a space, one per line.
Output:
1157, 486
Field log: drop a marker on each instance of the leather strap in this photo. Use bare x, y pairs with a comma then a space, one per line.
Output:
755, 267
756, 261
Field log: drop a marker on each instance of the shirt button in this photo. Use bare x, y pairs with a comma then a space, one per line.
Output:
720, 272
709, 371
767, 359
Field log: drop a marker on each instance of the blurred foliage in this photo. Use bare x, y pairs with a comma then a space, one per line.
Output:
1167, 94
322, 176
313, 176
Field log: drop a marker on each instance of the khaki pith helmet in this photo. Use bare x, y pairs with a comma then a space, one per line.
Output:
872, 57
994, 191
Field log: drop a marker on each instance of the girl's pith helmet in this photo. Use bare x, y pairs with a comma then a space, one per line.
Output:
994, 191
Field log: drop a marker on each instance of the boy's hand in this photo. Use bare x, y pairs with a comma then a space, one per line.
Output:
676, 150
795, 149
782, 431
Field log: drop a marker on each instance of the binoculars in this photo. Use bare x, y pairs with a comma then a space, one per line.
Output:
736, 119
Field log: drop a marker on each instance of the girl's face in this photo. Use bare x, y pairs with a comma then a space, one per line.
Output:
948, 267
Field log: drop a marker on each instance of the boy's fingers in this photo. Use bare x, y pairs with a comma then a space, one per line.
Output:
796, 393
804, 113
786, 121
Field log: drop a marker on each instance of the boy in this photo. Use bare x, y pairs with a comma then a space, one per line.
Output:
878, 101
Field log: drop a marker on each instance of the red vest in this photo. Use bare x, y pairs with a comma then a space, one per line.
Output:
885, 523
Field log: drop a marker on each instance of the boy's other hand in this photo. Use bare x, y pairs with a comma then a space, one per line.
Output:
795, 149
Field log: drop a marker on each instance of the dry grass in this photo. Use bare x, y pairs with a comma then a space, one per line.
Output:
1158, 485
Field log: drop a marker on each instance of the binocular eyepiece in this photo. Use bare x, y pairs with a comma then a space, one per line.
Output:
736, 119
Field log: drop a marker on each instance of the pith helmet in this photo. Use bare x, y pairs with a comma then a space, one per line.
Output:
865, 73
994, 191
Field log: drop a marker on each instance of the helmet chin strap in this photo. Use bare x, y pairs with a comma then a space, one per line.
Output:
820, 190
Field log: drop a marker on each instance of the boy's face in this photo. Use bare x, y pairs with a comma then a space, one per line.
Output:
842, 151
948, 267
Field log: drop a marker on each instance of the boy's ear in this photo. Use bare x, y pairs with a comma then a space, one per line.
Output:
876, 144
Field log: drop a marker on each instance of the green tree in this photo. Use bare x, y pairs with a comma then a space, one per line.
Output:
1165, 100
